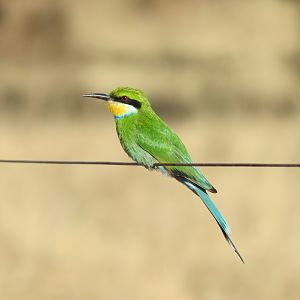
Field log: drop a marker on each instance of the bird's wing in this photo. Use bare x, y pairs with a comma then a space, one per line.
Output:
166, 147
158, 140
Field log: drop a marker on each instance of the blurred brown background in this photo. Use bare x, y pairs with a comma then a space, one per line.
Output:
224, 74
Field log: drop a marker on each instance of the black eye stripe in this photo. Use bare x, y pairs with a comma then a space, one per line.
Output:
127, 100
134, 103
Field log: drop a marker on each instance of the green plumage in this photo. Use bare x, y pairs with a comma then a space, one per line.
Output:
148, 140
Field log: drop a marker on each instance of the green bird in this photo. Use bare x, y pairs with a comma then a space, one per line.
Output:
148, 140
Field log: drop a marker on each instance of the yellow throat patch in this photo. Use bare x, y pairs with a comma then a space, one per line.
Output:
120, 110
116, 108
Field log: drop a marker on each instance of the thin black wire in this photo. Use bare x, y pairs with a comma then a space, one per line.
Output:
118, 163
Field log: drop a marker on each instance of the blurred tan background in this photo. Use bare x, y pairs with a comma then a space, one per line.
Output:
224, 74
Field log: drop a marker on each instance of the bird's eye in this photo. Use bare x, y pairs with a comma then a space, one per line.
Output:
124, 98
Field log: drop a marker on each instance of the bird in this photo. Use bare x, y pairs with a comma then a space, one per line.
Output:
149, 141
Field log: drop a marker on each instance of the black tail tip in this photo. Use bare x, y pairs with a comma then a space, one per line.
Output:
231, 244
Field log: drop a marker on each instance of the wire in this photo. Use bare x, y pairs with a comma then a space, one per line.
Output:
118, 163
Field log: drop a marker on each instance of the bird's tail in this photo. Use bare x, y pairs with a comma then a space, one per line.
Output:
215, 212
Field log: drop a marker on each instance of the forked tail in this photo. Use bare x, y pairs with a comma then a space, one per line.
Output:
214, 211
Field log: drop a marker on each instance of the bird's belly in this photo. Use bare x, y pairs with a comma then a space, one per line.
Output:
163, 170
136, 153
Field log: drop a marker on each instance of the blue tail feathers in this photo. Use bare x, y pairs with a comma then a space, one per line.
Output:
210, 205
215, 212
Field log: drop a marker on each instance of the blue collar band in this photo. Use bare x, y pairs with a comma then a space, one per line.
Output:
124, 115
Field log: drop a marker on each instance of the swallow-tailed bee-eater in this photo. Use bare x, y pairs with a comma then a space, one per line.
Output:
148, 140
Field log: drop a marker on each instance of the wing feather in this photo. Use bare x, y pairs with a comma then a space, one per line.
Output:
166, 147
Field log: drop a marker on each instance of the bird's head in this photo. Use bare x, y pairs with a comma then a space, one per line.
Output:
123, 101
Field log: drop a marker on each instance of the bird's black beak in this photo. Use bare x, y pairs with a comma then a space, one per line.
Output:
101, 96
